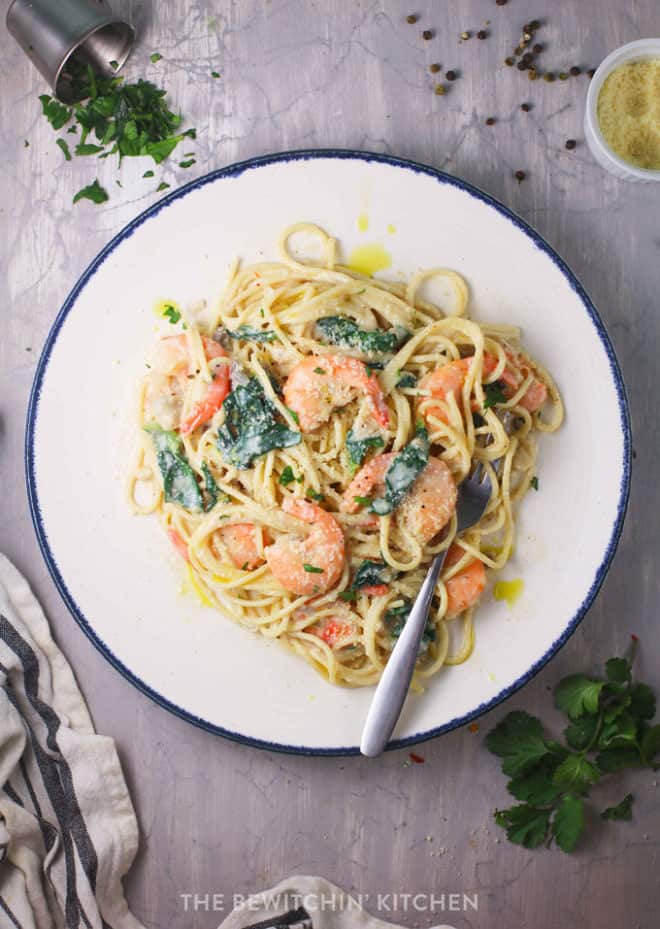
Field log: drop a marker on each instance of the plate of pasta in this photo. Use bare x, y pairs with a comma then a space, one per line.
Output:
267, 426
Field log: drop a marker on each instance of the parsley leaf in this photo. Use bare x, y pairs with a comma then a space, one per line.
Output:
188, 163
162, 186
622, 810
519, 741
55, 112
155, 57
287, 476
312, 569
525, 825
537, 786
577, 695
215, 74
568, 822
575, 773
534, 483
93, 192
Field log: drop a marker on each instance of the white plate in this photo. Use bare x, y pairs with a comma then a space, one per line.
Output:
118, 573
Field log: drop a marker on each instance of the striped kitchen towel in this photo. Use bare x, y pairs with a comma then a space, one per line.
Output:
68, 832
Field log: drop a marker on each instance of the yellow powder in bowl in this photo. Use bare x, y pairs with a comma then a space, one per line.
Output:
629, 112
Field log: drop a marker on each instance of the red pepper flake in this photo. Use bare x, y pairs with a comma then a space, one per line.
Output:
634, 637
474, 727
416, 758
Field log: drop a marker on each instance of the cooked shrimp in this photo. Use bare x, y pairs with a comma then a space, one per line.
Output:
243, 544
323, 383
310, 565
165, 389
464, 588
513, 376
428, 506
449, 379
443, 382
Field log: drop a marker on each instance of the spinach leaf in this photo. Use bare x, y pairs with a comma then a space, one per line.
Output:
357, 448
494, 394
396, 618
402, 473
406, 379
251, 427
248, 334
210, 487
179, 481
340, 330
371, 574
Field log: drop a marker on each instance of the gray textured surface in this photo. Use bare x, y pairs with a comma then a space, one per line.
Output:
219, 817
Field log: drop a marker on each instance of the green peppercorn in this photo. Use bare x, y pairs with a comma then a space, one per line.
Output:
440, 90
549, 77
532, 74
510, 61
435, 68
563, 76
466, 35
412, 19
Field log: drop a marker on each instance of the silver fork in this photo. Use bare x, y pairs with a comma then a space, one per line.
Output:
473, 497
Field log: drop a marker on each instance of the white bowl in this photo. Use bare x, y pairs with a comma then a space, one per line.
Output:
634, 51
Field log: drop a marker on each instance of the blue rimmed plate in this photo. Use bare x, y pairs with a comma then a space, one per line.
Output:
118, 573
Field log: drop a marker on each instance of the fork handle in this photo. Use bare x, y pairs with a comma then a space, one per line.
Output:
393, 687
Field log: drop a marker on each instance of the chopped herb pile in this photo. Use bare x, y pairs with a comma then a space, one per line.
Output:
248, 334
403, 472
179, 481
123, 119
358, 448
339, 330
609, 729
251, 427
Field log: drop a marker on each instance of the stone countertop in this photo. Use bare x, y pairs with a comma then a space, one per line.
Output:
222, 818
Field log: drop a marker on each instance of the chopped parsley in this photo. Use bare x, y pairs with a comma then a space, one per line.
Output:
312, 569
170, 312
534, 483
188, 163
65, 149
215, 74
148, 174
93, 192
287, 476
494, 394
155, 57
116, 118
162, 186
314, 495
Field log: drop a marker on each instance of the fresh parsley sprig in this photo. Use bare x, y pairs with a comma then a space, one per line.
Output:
609, 729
